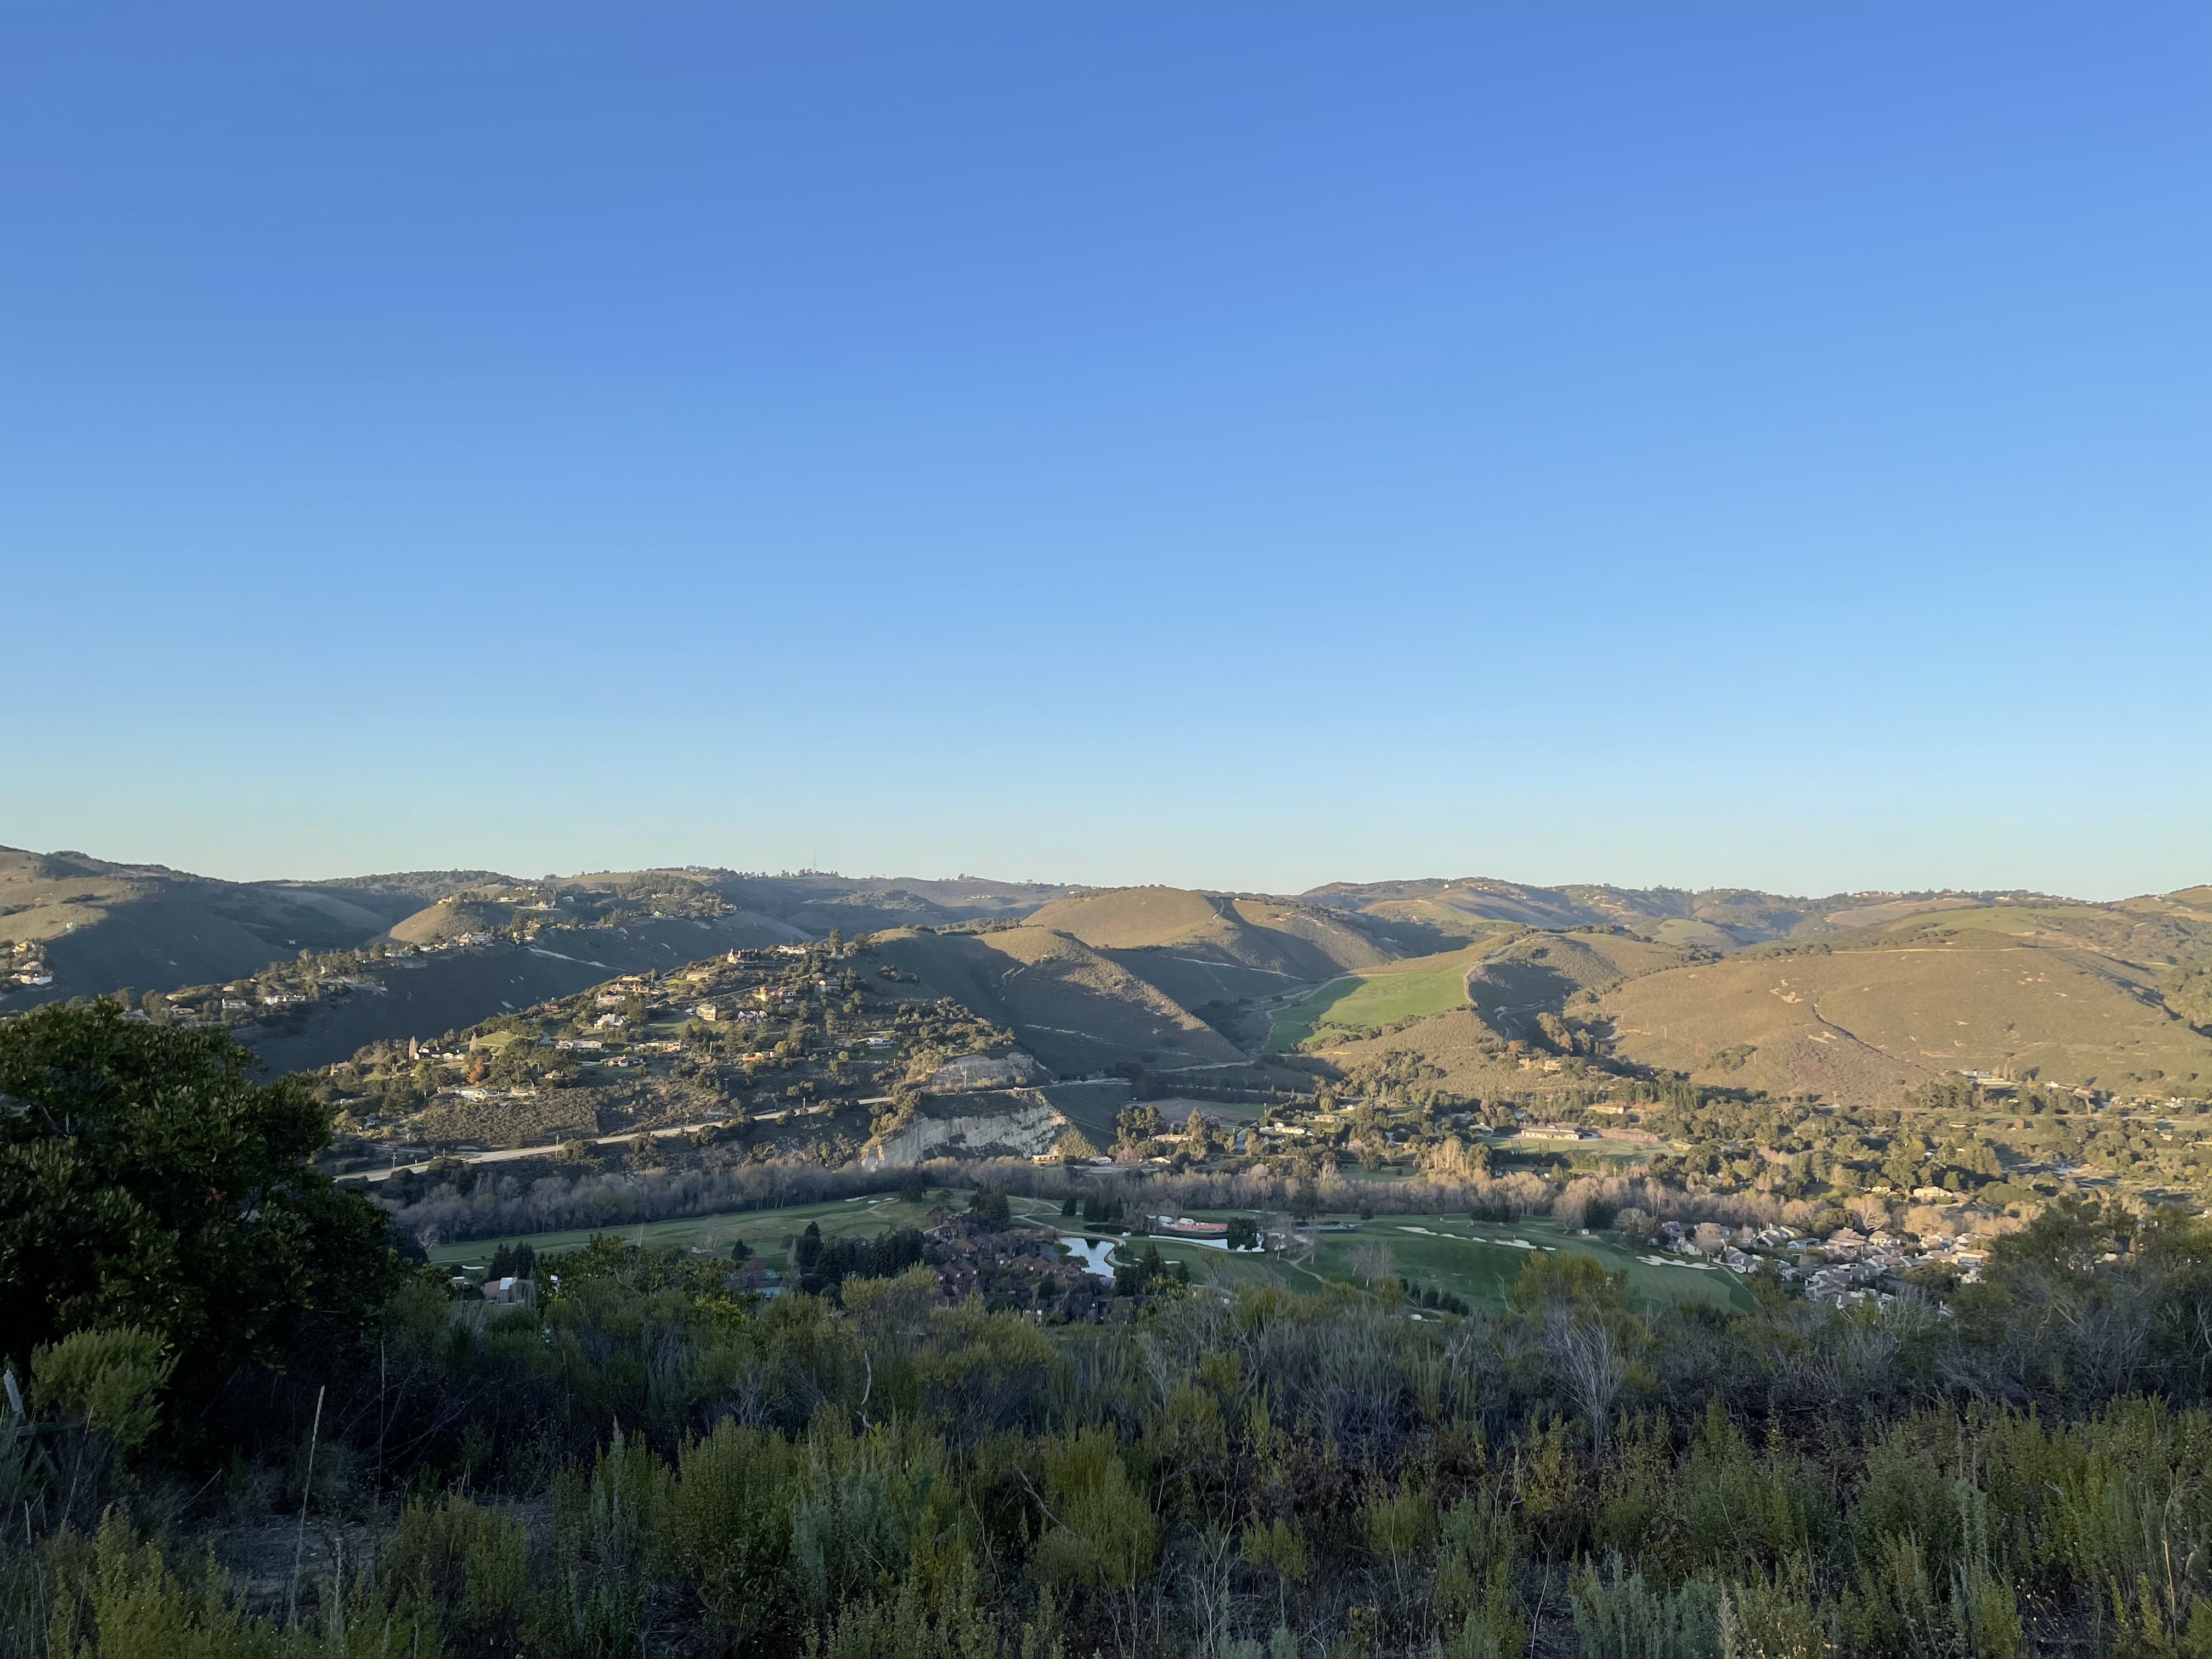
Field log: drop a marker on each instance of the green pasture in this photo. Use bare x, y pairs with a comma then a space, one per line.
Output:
1361, 1000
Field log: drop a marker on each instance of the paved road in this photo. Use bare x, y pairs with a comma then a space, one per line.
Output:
508, 1154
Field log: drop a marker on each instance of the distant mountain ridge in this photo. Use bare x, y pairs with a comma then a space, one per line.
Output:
1722, 917
1191, 983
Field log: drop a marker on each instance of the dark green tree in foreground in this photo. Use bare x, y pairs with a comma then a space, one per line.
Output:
146, 1180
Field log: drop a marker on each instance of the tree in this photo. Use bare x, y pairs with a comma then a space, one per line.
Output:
1140, 1125
146, 1180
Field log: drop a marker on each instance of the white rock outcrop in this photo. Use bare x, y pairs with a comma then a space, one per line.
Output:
1027, 1130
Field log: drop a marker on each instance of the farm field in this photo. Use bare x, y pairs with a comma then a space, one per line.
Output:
1425, 986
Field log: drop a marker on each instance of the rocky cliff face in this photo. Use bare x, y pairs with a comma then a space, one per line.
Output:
1026, 1126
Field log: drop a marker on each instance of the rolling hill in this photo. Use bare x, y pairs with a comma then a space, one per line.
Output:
98, 926
2071, 994
1856, 997
1078, 1009
75, 926
1717, 919
1202, 948
1868, 1025
1541, 972
818, 901
426, 994
2117, 997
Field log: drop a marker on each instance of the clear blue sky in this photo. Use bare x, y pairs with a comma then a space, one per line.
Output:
1245, 445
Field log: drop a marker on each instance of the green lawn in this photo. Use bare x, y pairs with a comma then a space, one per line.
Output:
1535, 1146
764, 1229
1475, 1261
1362, 1000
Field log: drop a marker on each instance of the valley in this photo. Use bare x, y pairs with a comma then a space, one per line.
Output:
646, 1018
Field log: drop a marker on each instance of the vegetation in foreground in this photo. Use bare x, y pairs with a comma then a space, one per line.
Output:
647, 1459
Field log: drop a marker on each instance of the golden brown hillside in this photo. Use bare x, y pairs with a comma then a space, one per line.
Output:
1075, 1008
1866, 1024
1133, 917
89, 927
1199, 949
451, 918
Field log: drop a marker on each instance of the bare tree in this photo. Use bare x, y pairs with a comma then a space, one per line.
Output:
1582, 1352
1370, 1260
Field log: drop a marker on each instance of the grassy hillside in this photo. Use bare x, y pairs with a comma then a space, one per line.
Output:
400, 893
818, 901
1915, 986
96, 927
454, 918
1540, 973
1866, 1024
1381, 996
1205, 950
1272, 934
1717, 919
427, 994
1139, 918
1076, 1008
